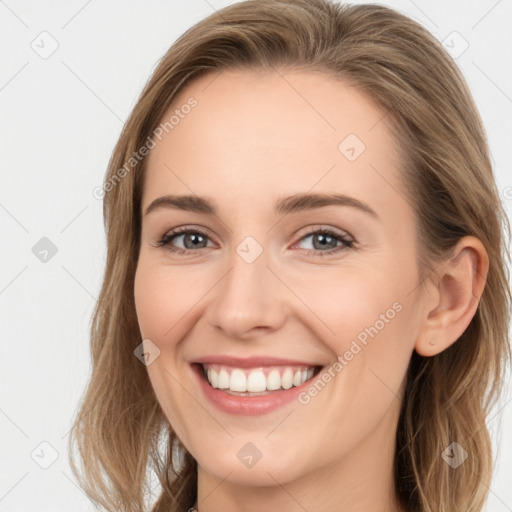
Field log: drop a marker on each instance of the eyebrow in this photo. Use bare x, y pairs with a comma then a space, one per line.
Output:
291, 204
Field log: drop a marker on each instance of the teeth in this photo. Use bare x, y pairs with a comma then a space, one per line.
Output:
287, 379
238, 381
273, 380
213, 378
223, 379
257, 380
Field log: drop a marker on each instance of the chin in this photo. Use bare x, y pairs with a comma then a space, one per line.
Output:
257, 464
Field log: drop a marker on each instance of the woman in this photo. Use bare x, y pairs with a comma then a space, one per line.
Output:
305, 302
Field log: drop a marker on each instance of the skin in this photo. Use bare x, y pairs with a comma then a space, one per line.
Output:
254, 138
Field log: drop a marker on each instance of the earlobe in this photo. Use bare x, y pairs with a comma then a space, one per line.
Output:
460, 284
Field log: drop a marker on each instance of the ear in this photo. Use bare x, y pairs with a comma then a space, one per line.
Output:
454, 297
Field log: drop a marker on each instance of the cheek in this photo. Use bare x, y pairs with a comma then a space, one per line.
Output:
365, 320
163, 297
350, 304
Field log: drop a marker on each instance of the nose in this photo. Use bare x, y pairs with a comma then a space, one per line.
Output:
249, 301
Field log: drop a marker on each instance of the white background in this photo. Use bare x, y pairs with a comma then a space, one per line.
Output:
60, 118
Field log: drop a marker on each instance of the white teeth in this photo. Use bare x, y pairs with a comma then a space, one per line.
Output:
255, 381
273, 380
287, 379
238, 381
223, 379
213, 378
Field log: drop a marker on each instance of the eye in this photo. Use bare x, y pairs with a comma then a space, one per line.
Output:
327, 241
191, 238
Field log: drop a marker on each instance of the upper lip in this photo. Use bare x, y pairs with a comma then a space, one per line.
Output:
251, 362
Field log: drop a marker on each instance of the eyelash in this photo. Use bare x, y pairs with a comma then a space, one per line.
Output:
347, 243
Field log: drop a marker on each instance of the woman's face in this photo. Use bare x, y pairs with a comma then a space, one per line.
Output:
300, 254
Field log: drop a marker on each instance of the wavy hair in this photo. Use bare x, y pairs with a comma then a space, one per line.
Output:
120, 430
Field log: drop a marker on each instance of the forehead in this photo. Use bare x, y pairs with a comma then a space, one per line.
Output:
273, 133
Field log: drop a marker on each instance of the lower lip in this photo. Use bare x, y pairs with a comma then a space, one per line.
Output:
247, 405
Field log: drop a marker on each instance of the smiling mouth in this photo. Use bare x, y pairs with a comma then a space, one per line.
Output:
257, 381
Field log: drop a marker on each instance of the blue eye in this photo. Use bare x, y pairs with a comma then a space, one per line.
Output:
332, 241
196, 239
324, 238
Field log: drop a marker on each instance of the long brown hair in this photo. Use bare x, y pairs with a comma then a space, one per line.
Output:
120, 430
